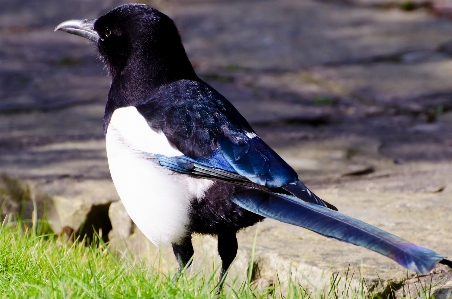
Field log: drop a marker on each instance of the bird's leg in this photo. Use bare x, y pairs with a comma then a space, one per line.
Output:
183, 252
227, 248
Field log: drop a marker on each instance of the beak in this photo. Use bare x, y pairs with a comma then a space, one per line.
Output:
83, 28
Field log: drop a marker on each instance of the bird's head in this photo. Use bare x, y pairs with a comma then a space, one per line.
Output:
136, 38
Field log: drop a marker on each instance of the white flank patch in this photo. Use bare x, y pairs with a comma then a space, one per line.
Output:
156, 199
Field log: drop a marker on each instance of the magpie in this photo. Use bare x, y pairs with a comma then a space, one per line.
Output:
184, 160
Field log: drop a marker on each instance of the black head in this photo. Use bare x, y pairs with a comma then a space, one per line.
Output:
137, 43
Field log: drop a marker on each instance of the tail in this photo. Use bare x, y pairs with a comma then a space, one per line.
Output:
332, 224
446, 262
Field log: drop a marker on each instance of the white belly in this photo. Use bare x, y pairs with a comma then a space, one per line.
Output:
157, 200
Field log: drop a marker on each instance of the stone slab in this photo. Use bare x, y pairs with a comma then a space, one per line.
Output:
409, 87
290, 34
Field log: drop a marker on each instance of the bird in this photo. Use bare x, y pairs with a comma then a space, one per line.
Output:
184, 161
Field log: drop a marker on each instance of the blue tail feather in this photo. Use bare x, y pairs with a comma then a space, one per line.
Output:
332, 224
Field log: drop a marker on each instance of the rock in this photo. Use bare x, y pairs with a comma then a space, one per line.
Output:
425, 128
388, 2
442, 8
437, 283
408, 88
293, 34
122, 226
84, 219
257, 103
75, 177
21, 199
444, 292
338, 157
26, 14
423, 56
445, 118
64, 213
359, 170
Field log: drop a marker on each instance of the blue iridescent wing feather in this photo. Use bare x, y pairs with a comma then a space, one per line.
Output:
254, 159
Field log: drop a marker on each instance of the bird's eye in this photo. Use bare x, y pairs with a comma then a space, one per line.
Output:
107, 32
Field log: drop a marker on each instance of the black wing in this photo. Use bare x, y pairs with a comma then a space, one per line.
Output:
210, 132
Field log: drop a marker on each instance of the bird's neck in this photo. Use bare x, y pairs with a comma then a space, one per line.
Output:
141, 76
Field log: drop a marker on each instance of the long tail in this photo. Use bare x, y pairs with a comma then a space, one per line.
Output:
332, 224
446, 262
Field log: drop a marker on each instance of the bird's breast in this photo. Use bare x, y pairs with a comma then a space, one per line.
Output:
158, 200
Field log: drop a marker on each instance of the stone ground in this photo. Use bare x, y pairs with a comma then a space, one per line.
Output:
355, 95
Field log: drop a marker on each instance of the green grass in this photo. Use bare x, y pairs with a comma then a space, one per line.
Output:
34, 265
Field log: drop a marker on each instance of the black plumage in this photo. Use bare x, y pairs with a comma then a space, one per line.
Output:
217, 214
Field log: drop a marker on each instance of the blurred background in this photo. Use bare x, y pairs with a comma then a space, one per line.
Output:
355, 94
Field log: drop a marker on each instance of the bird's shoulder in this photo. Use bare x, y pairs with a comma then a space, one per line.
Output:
204, 126
193, 116
197, 100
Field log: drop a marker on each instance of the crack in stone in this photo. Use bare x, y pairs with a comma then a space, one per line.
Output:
406, 6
